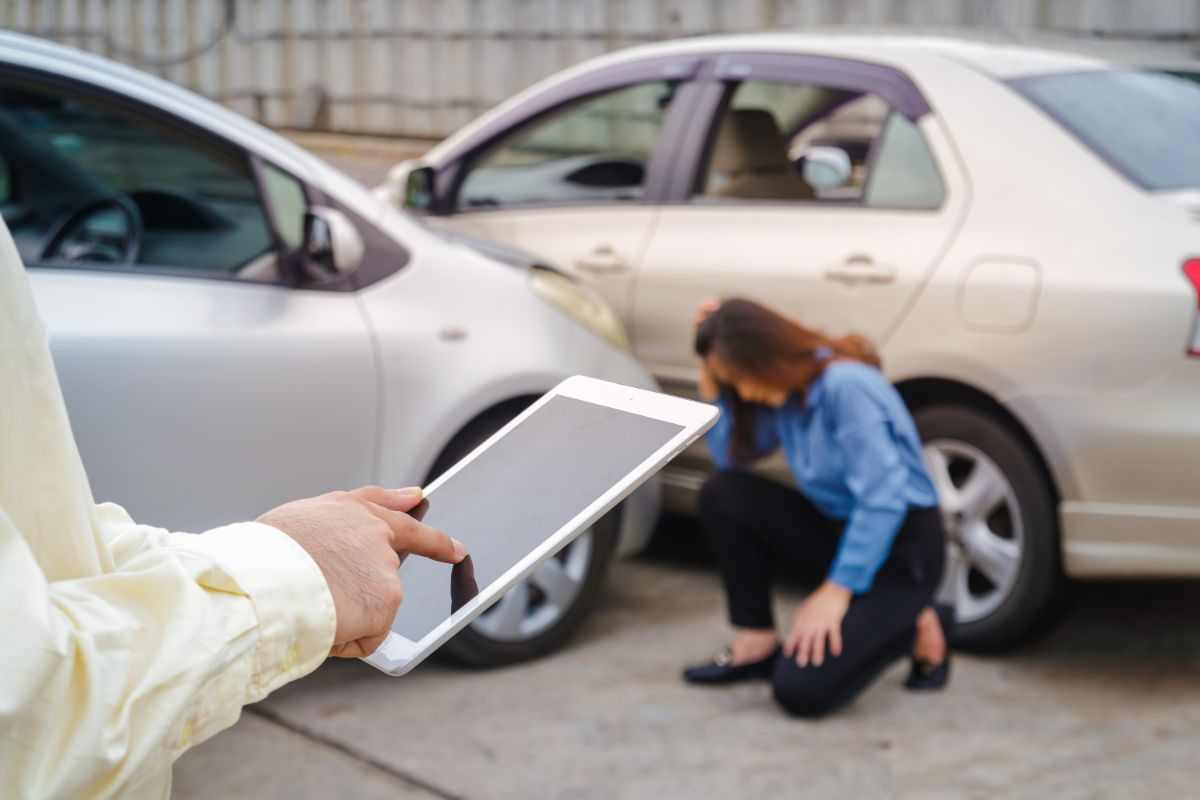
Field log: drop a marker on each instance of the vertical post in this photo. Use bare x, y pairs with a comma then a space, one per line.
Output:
358, 64
224, 54
137, 27
190, 41
287, 62
770, 14
163, 41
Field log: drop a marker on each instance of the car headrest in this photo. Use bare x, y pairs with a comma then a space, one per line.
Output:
750, 141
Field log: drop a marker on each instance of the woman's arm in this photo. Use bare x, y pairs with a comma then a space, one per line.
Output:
710, 390
876, 478
720, 435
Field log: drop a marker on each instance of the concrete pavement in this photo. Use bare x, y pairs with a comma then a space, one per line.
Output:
1108, 705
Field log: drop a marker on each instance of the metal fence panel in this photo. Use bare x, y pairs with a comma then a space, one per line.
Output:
424, 67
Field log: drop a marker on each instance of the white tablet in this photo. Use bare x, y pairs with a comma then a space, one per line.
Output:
527, 492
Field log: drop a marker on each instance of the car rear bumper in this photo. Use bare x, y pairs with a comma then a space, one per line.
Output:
1130, 453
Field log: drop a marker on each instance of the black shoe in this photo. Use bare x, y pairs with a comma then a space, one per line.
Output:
721, 671
929, 677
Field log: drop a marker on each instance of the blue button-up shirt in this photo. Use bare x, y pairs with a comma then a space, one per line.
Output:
854, 451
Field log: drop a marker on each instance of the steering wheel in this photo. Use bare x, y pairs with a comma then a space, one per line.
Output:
72, 240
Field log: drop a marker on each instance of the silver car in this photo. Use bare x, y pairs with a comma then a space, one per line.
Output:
236, 324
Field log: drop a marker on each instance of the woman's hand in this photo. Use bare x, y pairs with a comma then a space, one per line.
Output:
818, 619
710, 390
705, 310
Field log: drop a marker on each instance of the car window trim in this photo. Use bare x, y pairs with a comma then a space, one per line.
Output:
681, 69
727, 71
889, 83
150, 271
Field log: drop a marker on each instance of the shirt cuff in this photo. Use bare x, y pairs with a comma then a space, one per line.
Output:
857, 579
292, 601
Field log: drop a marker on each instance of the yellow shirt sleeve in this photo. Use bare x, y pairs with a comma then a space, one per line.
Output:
102, 673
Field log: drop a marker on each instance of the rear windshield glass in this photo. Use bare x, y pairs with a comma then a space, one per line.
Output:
1145, 124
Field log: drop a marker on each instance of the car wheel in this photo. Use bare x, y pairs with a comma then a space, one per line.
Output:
540, 614
1002, 550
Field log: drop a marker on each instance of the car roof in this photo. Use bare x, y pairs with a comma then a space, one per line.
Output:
996, 56
917, 54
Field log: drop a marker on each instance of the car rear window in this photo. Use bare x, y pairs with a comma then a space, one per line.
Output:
1145, 124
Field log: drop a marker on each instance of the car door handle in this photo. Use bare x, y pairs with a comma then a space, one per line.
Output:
861, 269
602, 259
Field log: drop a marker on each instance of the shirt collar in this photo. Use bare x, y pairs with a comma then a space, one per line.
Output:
815, 389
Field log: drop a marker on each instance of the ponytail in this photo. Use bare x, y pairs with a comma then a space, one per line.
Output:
857, 347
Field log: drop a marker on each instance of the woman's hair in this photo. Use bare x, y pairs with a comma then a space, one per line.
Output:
752, 339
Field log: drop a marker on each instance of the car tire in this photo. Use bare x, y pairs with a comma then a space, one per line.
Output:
482, 644
1003, 565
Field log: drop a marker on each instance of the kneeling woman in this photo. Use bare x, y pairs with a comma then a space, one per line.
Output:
864, 514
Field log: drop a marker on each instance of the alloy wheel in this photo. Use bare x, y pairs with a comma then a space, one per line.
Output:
538, 602
985, 535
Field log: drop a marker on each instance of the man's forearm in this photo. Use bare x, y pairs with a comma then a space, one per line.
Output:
99, 680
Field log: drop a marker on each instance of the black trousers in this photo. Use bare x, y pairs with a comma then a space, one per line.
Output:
759, 529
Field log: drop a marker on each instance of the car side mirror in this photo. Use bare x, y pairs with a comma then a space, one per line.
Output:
332, 243
826, 167
408, 185
418, 189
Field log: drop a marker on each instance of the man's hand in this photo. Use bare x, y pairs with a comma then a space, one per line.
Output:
358, 539
819, 618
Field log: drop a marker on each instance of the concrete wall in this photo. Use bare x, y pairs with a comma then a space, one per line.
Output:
424, 67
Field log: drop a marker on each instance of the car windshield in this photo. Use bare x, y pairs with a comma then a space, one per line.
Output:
1145, 124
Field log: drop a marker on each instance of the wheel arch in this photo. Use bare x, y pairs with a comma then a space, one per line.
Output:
510, 406
925, 392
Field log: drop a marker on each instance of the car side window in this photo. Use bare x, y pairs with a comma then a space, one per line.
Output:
5, 183
905, 174
96, 182
594, 150
288, 203
794, 142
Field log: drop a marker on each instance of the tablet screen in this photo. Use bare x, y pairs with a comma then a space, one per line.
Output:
516, 494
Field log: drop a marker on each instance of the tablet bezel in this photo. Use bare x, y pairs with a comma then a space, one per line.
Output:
398, 654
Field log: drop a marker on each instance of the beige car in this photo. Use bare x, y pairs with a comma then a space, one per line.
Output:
1017, 229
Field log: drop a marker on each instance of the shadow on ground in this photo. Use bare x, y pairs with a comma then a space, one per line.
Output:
1101, 631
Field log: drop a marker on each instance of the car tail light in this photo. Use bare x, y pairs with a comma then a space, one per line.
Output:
1191, 268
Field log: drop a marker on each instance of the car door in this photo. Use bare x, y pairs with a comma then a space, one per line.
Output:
820, 186
574, 175
202, 388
